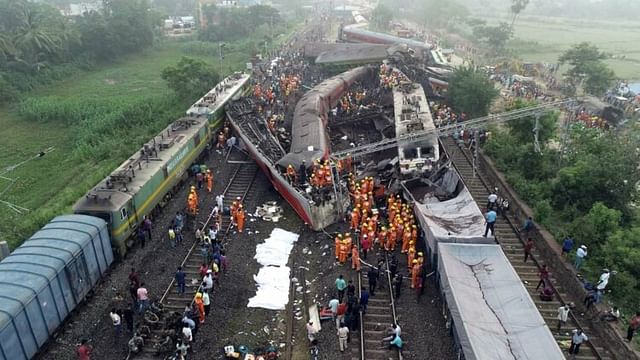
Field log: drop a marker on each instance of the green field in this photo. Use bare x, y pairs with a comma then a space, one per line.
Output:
549, 37
49, 185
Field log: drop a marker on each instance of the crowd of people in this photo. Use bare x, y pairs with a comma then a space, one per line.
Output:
589, 118
443, 115
378, 223
390, 77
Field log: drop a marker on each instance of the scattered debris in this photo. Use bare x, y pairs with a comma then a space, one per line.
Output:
269, 211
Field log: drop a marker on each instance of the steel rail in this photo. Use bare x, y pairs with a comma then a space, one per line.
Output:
195, 243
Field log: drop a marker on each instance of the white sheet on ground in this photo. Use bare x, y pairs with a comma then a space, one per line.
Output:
273, 278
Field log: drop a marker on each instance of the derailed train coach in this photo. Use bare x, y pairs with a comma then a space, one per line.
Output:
45, 278
413, 115
490, 311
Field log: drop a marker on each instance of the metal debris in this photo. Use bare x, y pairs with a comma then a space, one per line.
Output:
269, 211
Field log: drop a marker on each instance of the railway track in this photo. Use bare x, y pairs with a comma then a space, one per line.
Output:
380, 314
508, 237
238, 187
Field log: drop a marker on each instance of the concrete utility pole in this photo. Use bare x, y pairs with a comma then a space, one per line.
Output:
221, 45
12, 181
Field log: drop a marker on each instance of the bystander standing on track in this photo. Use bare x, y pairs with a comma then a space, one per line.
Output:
116, 320
180, 280
528, 248
563, 315
577, 339
143, 298
343, 336
490, 218
364, 299
340, 286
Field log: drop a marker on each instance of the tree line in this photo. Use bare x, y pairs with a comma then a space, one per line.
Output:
235, 23
38, 44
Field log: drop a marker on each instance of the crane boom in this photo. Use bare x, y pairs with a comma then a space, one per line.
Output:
450, 129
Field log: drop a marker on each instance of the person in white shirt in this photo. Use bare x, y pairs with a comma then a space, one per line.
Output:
343, 336
491, 200
116, 320
311, 331
187, 335
611, 315
604, 280
581, 253
220, 202
563, 315
207, 282
393, 331
577, 339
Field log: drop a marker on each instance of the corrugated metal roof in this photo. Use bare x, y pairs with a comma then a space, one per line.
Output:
31, 267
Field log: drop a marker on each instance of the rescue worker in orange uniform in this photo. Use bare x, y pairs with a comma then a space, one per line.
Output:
381, 240
411, 254
338, 241
240, 218
233, 211
420, 258
355, 218
200, 306
392, 236
343, 253
355, 258
292, 174
406, 238
415, 273
349, 240
209, 178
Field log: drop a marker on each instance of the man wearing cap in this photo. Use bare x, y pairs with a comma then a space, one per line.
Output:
602, 284
581, 253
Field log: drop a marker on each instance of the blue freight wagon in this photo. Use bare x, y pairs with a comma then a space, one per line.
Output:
45, 278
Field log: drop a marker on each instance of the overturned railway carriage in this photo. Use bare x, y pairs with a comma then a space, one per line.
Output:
412, 114
309, 142
492, 315
356, 33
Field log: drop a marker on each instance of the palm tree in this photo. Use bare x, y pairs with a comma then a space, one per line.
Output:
516, 8
6, 46
33, 40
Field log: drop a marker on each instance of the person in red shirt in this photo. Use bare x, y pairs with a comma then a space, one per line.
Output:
544, 276
84, 350
633, 326
528, 247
